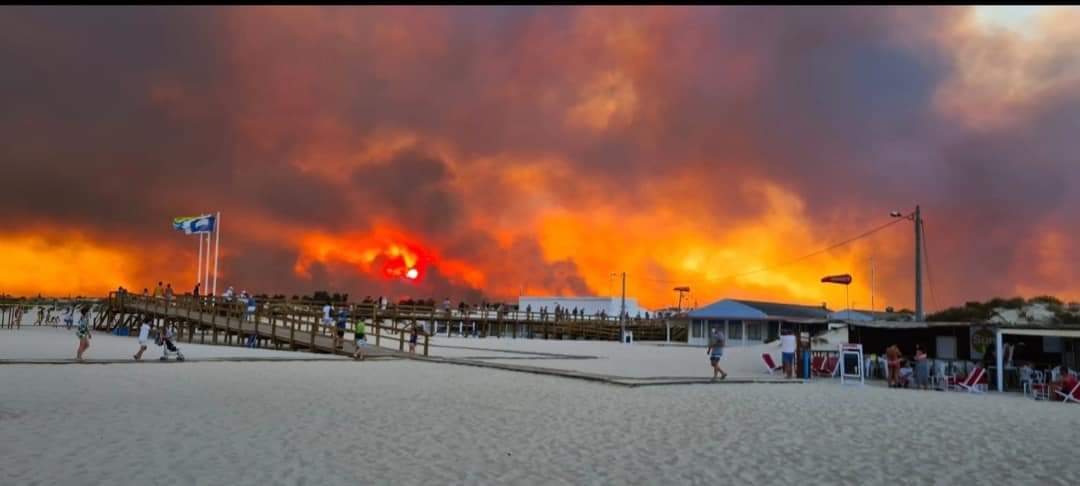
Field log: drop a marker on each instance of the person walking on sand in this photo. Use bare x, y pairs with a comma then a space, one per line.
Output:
787, 352
715, 352
144, 337
83, 333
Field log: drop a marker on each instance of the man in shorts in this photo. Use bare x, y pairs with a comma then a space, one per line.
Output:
787, 352
360, 331
144, 337
715, 352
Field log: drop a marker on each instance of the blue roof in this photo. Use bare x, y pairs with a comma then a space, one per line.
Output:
755, 310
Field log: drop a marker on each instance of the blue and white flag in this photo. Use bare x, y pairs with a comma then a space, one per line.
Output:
192, 225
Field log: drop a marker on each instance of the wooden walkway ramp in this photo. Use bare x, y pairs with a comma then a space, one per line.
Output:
274, 325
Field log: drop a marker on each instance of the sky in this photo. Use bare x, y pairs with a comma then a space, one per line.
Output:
537, 150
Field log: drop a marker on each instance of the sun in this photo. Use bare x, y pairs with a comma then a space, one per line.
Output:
412, 274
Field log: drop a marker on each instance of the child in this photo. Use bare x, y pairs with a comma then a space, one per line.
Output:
360, 331
144, 337
83, 333
412, 341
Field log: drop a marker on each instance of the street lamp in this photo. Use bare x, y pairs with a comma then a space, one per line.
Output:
917, 218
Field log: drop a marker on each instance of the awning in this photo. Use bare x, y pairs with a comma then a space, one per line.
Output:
1070, 333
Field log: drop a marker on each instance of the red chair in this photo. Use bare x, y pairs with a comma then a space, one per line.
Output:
770, 365
974, 383
828, 366
1074, 393
816, 364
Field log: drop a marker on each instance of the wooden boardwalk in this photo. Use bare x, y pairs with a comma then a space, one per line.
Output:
274, 324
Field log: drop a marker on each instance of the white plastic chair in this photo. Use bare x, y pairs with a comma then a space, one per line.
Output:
1026, 374
1039, 389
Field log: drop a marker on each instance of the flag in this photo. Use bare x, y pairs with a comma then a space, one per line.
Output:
191, 225
844, 279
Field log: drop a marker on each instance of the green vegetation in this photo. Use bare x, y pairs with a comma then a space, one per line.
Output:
981, 311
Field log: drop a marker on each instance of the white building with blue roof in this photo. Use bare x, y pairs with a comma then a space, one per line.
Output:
749, 322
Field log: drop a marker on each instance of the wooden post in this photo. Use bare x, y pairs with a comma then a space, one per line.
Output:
311, 344
213, 323
426, 338
401, 340
375, 322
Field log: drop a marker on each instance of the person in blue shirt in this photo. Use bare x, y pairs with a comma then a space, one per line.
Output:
342, 323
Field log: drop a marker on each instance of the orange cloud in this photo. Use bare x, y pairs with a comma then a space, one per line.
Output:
63, 263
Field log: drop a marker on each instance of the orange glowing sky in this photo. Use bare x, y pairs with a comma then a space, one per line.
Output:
507, 150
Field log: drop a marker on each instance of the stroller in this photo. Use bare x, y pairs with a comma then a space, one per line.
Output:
165, 339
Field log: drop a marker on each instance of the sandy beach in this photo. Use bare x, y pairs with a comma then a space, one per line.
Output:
409, 422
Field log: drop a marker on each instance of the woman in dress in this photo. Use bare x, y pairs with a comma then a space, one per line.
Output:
83, 332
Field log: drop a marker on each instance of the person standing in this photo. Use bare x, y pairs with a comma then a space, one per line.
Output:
342, 324
787, 352
922, 369
159, 291
327, 321
892, 356
69, 316
83, 333
715, 352
168, 293
360, 334
412, 341
196, 291
144, 337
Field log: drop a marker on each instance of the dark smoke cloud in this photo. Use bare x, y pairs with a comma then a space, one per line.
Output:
118, 119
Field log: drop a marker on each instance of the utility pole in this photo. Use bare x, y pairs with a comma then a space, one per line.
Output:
622, 310
918, 265
872, 284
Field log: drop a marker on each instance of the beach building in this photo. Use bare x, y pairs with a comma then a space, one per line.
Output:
590, 305
862, 315
748, 322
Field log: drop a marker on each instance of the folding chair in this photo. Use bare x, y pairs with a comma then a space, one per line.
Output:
816, 364
770, 365
972, 383
1072, 396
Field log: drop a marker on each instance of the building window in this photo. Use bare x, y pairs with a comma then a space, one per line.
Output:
753, 331
734, 330
697, 325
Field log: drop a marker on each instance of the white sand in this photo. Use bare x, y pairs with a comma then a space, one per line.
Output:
49, 343
639, 360
404, 422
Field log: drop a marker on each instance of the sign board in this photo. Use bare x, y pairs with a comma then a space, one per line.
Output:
982, 341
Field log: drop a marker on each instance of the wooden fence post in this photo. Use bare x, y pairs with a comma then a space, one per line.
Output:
375, 322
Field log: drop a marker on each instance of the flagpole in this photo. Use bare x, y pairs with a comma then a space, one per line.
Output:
217, 248
206, 264
198, 266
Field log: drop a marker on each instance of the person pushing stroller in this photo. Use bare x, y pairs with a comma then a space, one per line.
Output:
165, 339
